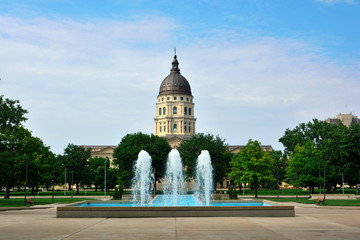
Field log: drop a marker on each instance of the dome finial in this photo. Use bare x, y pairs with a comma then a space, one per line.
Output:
175, 63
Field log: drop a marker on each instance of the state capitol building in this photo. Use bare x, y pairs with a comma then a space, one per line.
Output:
175, 114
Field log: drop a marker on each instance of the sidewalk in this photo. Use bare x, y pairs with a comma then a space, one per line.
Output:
310, 222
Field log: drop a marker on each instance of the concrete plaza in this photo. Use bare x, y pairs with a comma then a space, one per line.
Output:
311, 222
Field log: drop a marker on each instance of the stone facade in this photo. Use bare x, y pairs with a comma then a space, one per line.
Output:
104, 151
175, 120
346, 119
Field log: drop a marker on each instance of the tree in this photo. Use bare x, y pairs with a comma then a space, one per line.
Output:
304, 165
279, 168
127, 152
220, 156
12, 114
252, 165
11, 119
315, 131
352, 164
34, 160
97, 168
76, 161
331, 142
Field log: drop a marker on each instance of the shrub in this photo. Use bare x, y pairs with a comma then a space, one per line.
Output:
232, 192
118, 193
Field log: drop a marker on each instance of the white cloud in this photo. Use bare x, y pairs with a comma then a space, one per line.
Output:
92, 83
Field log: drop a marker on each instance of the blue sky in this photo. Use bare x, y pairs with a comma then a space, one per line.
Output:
89, 71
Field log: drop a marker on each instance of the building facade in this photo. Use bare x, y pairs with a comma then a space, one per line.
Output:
175, 119
346, 119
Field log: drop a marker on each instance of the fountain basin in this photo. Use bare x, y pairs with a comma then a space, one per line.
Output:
120, 209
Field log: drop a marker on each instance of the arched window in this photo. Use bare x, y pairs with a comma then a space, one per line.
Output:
175, 110
164, 128
164, 110
160, 128
159, 111
185, 110
184, 128
175, 127
189, 111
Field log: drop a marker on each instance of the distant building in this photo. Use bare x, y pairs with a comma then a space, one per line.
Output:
105, 151
235, 149
175, 120
346, 119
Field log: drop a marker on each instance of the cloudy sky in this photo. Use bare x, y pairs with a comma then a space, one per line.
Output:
89, 72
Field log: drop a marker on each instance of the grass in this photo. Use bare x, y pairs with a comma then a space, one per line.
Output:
19, 202
264, 192
329, 202
61, 193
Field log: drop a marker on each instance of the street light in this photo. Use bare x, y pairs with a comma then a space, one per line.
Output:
105, 179
65, 181
26, 177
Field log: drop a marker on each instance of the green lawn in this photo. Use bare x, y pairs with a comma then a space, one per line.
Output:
264, 192
61, 193
19, 202
329, 202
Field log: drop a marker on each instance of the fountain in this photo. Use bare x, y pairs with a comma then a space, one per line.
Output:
174, 182
204, 178
174, 203
143, 179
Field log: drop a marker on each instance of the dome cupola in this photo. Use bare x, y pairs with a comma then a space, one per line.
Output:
175, 83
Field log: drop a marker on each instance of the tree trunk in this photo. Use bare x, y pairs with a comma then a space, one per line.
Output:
256, 188
7, 192
96, 188
77, 189
32, 190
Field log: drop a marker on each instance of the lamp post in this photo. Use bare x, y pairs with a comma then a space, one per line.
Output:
65, 181
53, 180
342, 176
105, 179
324, 179
296, 184
72, 183
26, 174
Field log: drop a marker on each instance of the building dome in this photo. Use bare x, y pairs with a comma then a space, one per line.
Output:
175, 83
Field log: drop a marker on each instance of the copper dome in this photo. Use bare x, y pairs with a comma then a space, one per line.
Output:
175, 82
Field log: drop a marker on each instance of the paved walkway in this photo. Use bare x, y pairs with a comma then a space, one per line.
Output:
311, 222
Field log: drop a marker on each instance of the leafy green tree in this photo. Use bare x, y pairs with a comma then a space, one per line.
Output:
24, 155
127, 152
279, 168
39, 162
76, 161
304, 162
111, 178
352, 163
12, 115
252, 165
97, 168
220, 156
315, 131
332, 143
11, 155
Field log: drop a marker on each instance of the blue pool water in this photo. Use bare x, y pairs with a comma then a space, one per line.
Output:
164, 200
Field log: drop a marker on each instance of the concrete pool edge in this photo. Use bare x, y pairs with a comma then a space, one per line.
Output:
72, 211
